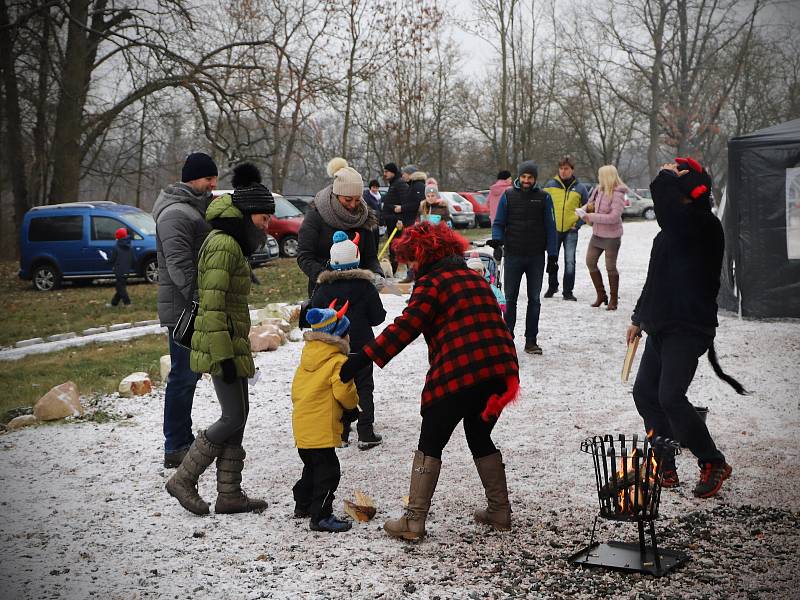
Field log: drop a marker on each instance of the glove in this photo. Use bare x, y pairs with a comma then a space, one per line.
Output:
552, 264
498, 253
378, 281
581, 213
228, 370
354, 363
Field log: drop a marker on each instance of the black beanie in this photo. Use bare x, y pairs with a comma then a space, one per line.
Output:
696, 184
391, 167
197, 166
529, 167
504, 174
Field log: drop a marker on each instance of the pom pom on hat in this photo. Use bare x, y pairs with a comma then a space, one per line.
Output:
245, 175
344, 252
335, 164
121, 233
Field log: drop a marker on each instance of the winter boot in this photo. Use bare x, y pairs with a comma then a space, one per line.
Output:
424, 476
597, 280
183, 484
492, 472
613, 283
345, 435
230, 497
367, 438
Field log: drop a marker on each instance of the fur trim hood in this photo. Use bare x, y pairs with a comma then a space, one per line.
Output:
349, 274
334, 340
418, 176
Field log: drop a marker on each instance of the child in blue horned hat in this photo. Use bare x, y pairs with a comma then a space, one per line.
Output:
344, 282
318, 400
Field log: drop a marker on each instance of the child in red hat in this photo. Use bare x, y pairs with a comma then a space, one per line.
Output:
122, 260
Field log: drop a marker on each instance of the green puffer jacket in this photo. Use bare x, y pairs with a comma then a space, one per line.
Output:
223, 321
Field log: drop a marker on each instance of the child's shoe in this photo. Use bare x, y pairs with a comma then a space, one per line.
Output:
330, 524
301, 513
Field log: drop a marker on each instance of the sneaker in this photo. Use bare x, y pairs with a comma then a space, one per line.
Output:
670, 479
330, 524
711, 477
369, 439
532, 348
570, 296
173, 460
301, 513
550, 292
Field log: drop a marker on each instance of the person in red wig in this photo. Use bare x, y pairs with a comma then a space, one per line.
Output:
473, 371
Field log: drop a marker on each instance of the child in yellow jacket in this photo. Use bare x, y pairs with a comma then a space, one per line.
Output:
318, 399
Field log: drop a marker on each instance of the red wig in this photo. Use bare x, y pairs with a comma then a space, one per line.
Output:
427, 243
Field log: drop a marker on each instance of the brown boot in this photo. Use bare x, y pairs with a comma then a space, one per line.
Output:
492, 472
597, 280
183, 484
231, 499
424, 476
613, 284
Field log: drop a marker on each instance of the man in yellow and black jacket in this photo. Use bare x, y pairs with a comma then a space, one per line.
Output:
567, 194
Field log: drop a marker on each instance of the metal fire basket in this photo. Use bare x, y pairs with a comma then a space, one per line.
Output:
628, 475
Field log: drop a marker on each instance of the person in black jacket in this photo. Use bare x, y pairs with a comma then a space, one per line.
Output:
344, 284
337, 207
414, 198
122, 260
392, 207
678, 310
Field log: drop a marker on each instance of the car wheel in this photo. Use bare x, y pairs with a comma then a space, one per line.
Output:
649, 213
289, 246
150, 270
46, 277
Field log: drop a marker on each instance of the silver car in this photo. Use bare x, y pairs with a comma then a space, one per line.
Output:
461, 211
637, 205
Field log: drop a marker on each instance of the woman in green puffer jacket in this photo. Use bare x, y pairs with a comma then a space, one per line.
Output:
220, 344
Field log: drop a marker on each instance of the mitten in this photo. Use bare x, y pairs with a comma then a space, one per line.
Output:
228, 370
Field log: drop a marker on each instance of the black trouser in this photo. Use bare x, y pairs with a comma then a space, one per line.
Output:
314, 491
121, 286
441, 418
235, 403
668, 364
365, 385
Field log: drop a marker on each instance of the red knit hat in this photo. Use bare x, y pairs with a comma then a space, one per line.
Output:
121, 233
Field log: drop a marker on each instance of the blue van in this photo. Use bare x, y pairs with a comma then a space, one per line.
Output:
67, 242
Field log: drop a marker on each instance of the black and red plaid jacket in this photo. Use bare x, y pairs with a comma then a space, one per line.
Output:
468, 341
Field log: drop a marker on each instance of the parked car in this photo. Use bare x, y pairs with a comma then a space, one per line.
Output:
300, 202
266, 252
638, 206
67, 242
284, 225
461, 211
480, 206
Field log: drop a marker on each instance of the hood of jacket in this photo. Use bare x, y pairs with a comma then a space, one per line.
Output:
223, 208
499, 186
518, 186
320, 348
178, 193
418, 176
330, 276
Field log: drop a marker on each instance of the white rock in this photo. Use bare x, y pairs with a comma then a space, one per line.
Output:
22, 421
261, 341
61, 401
165, 365
135, 384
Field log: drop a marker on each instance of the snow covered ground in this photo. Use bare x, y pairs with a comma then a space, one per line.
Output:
83, 511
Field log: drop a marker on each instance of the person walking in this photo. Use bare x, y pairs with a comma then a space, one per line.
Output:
473, 371
678, 311
181, 228
338, 206
604, 213
392, 207
496, 190
524, 229
221, 344
122, 260
568, 194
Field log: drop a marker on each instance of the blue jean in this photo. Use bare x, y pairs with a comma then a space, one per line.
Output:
568, 239
533, 269
178, 398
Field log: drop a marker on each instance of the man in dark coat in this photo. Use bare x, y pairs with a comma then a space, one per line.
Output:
678, 310
392, 208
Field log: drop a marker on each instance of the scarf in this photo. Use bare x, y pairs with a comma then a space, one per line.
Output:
336, 215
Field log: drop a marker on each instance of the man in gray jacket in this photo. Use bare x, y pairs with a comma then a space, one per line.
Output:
181, 228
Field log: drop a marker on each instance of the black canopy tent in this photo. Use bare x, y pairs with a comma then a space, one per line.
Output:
761, 218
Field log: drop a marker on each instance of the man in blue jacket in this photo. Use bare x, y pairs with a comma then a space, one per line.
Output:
523, 229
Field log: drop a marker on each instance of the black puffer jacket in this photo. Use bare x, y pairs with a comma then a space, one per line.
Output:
396, 195
122, 257
685, 262
365, 310
415, 195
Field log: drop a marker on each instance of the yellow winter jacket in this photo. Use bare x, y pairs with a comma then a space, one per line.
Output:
318, 395
565, 201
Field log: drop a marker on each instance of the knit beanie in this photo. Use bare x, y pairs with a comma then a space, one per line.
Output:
330, 321
344, 252
121, 233
409, 169
197, 166
696, 184
346, 180
391, 167
476, 264
431, 186
529, 167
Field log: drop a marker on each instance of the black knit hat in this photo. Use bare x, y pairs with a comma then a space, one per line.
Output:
504, 174
197, 166
391, 167
254, 200
529, 167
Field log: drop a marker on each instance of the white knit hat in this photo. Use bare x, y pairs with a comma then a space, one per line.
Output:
344, 252
346, 180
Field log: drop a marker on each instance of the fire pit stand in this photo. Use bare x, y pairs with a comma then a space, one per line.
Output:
628, 475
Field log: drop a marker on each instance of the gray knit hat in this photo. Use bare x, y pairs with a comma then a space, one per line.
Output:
409, 169
529, 167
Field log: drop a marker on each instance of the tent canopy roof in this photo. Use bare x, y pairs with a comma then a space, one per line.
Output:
777, 135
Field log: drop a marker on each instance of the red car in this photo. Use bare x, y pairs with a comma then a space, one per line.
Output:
480, 206
284, 225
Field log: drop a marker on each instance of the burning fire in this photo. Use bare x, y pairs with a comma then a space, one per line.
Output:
633, 481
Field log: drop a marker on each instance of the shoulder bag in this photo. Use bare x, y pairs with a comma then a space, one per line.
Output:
184, 328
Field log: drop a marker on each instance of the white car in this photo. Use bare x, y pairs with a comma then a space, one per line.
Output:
461, 211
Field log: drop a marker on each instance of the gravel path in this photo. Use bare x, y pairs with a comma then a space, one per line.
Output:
84, 512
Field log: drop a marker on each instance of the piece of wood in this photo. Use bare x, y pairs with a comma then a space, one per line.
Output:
363, 509
629, 356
